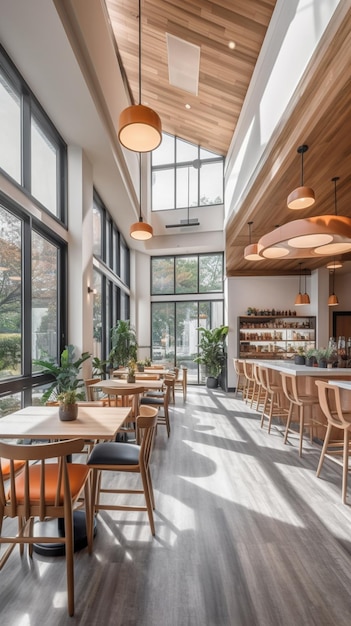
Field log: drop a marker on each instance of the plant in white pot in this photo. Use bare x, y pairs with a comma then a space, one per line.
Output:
66, 387
212, 352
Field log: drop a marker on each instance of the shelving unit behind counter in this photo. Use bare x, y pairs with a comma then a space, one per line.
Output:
275, 336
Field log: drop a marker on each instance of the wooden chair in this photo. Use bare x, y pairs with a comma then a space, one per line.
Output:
301, 402
161, 403
43, 490
181, 382
6, 464
125, 396
92, 393
240, 376
125, 457
330, 403
272, 398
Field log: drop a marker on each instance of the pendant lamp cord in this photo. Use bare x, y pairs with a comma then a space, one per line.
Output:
302, 153
249, 225
334, 180
140, 217
139, 51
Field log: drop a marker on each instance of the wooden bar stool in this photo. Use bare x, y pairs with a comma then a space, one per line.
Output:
272, 397
302, 402
241, 379
250, 380
330, 403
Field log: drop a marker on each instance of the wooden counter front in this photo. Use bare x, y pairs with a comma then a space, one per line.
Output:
306, 377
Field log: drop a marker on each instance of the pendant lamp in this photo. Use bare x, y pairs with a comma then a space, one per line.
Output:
302, 197
251, 251
139, 126
334, 265
299, 298
333, 300
140, 230
305, 296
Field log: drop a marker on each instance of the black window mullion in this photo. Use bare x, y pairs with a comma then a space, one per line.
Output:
26, 143
26, 298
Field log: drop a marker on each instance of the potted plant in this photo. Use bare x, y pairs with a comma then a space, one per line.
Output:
131, 371
212, 354
310, 357
140, 365
300, 356
66, 386
124, 344
323, 355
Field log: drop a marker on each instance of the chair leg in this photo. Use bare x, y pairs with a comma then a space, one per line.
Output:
302, 427
270, 416
69, 561
345, 465
288, 421
324, 449
148, 501
264, 408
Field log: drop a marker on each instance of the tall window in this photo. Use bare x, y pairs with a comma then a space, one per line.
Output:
194, 273
45, 257
32, 257
10, 294
185, 175
111, 278
175, 323
31, 150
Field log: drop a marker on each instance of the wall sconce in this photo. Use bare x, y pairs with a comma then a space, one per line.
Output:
91, 290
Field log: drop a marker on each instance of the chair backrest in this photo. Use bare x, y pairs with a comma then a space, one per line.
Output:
123, 396
248, 370
146, 425
256, 374
238, 367
91, 392
330, 403
289, 385
26, 498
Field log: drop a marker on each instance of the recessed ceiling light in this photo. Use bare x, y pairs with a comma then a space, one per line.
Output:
188, 106
231, 45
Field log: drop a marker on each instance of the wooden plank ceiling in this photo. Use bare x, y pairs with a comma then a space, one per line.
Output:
319, 116
224, 75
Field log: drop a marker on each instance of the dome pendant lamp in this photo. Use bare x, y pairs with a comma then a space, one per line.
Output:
140, 128
305, 296
140, 230
302, 197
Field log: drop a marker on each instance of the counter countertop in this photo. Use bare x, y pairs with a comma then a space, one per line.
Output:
343, 384
303, 370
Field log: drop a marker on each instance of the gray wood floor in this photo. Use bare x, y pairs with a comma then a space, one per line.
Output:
246, 535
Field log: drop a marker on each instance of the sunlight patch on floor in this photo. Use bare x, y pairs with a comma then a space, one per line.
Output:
228, 480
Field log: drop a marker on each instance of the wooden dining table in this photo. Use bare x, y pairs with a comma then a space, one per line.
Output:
43, 422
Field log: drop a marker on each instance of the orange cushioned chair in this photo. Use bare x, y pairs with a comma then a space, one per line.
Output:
43, 489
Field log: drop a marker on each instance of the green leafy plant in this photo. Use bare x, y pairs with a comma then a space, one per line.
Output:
66, 382
99, 367
124, 344
211, 348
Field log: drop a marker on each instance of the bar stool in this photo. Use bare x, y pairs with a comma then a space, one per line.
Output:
329, 396
302, 402
272, 400
241, 379
250, 380
257, 388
